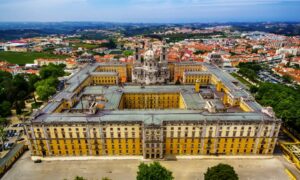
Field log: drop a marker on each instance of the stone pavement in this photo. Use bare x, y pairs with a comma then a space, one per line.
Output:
183, 169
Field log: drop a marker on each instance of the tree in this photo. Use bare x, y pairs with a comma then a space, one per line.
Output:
45, 91
105, 178
249, 73
79, 178
3, 121
47, 87
2, 135
284, 100
5, 109
32, 79
52, 71
221, 172
5, 75
153, 171
287, 78
197, 52
253, 89
110, 44
128, 53
51, 81
8, 91
20, 84
19, 106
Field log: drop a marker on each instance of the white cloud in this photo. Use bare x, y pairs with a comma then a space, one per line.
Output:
39, 2
209, 2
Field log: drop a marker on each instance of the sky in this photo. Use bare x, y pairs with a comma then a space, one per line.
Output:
154, 11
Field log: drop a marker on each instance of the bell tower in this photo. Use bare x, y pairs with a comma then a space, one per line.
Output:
137, 53
163, 54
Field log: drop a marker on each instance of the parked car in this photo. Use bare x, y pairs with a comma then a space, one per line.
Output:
20, 125
8, 145
11, 133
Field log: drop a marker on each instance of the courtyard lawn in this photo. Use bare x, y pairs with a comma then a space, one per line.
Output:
26, 57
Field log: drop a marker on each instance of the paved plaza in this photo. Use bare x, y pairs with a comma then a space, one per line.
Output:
248, 169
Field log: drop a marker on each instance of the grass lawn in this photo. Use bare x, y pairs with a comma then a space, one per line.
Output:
26, 57
85, 45
36, 105
244, 81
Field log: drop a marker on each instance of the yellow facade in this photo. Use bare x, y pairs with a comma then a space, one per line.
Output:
192, 78
151, 101
180, 69
110, 139
129, 72
105, 80
121, 69
83, 141
245, 107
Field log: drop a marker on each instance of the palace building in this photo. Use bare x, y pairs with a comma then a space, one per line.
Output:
152, 109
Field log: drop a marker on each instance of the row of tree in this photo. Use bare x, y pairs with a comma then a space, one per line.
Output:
13, 92
15, 89
284, 100
249, 70
154, 171
48, 83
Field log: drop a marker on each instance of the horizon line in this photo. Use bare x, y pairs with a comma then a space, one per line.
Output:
140, 22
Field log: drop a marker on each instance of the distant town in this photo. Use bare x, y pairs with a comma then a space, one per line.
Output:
221, 44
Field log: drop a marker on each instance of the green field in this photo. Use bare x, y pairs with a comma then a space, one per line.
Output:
85, 45
26, 57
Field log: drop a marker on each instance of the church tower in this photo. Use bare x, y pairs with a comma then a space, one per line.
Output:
137, 53
163, 54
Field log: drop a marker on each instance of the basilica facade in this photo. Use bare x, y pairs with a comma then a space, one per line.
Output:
151, 69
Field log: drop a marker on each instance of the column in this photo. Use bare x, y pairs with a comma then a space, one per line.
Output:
47, 140
258, 137
203, 138
216, 137
88, 138
102, 139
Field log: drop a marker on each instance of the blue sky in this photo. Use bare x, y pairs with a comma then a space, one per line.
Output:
150, 10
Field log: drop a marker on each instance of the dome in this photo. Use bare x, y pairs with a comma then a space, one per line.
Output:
149, 55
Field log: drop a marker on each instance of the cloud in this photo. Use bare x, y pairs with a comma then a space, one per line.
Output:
42, 3
212, 3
